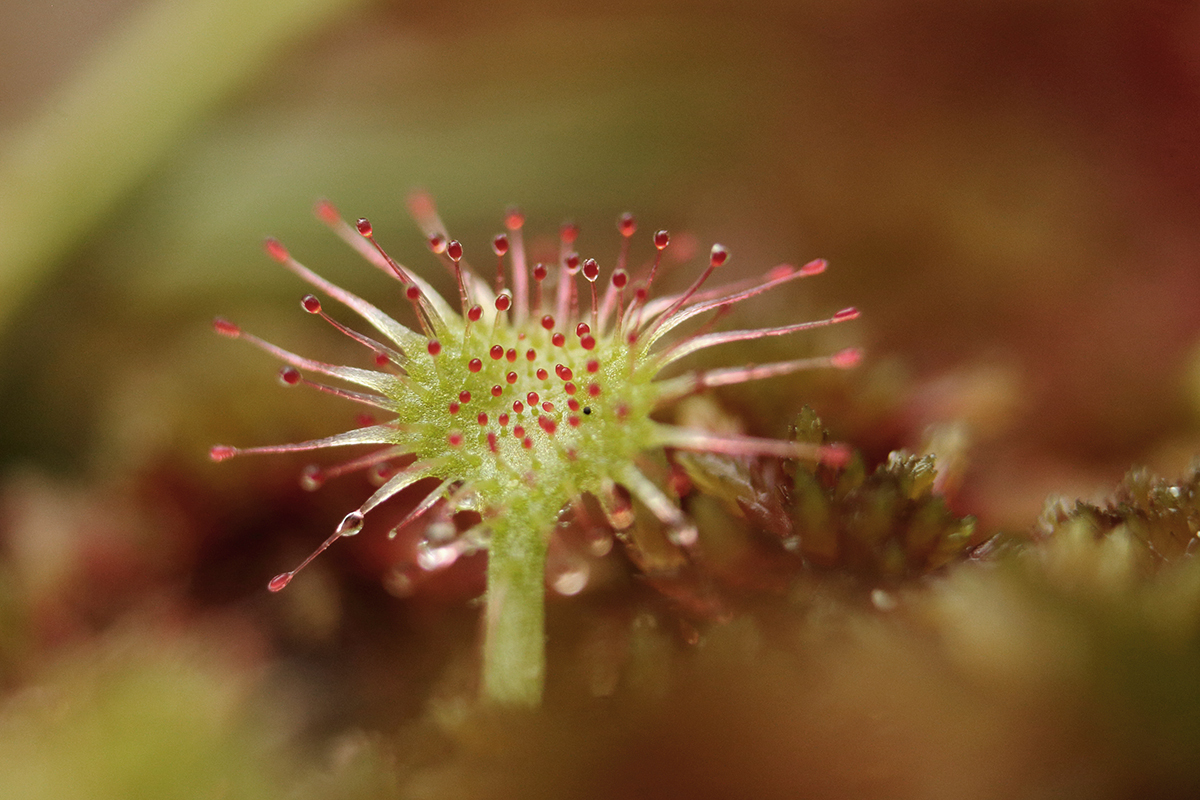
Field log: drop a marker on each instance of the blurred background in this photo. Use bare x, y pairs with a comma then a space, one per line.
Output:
1008, 191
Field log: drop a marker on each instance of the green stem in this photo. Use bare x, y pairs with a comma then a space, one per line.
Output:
514, 649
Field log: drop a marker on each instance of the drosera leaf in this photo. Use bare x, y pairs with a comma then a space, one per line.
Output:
525, 394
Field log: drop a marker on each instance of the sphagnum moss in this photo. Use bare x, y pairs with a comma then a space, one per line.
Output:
522, 399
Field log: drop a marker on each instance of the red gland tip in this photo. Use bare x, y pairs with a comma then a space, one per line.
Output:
280, 581
364, 227
540, 272
312, 478
548, 322
503, 302
326, 212
514, 219
275, 249
591, 270
572, 263
620, 278
582, 329
500, 244
289, 376
846, 314
568, 233
455, 251
220, 452
226, 328
662, 239
719, 255
627, 225
437, 243
846, 359
814, 267
836, 455
434, 347
311, 304
420, 204
475, 313
474, 365
497, 352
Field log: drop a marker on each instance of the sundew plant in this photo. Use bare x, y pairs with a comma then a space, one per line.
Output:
535, 387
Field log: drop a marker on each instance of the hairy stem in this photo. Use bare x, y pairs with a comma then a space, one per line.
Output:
514, 650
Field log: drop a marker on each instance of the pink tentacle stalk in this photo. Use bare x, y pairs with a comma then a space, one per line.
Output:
522, 401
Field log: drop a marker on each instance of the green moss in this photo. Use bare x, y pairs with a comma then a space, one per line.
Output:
886, 525
1161, 518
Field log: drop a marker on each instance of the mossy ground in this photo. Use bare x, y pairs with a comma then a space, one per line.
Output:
1008, 191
